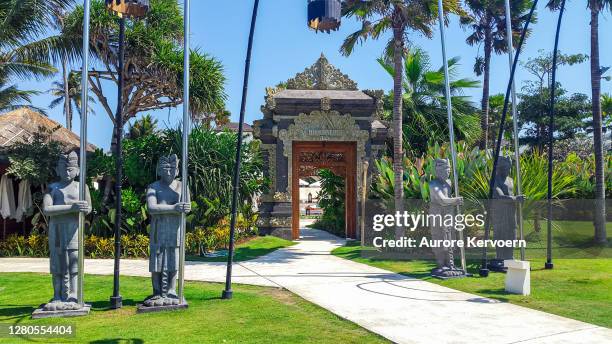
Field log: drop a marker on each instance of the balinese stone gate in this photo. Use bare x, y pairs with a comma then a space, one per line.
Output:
323, 105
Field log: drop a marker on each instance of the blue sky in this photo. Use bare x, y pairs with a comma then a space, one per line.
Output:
284, 46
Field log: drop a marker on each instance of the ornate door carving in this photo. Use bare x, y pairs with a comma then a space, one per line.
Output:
341, 158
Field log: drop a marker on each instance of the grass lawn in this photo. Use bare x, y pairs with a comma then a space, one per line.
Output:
254, 315
571, 239
250, 249
576, 288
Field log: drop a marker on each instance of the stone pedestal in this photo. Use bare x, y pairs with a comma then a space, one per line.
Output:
144, 309
518, 277
40, 313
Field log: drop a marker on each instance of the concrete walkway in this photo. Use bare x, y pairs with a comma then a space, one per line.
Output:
402, 309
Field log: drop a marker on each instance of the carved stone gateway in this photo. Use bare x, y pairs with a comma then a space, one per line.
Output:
318, 106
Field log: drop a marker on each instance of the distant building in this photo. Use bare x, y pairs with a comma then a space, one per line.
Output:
247, 130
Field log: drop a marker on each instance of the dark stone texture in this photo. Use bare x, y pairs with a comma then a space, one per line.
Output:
144, 309
40, 313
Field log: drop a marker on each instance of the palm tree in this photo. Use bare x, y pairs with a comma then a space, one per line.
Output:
487, 20
401, 17
70, 96
146, 125
595, 8
23, 23
424, 105
11, 97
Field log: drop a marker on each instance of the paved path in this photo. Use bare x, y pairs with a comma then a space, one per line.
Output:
402, 309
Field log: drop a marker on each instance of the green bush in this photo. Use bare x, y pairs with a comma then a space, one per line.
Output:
37, 245
331, 200
572, 177
198, 241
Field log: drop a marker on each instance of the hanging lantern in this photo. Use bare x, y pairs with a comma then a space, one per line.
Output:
128, 8
324, 15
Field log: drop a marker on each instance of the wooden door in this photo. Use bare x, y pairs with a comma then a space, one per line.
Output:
341, 158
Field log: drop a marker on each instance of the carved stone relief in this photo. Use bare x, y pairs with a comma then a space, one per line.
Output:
321, 76
324, 126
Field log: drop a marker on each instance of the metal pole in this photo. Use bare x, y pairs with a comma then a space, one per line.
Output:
517, 155
451, 125
83, 148
116, 299
185, 156
551, 128
364, 195
227, 292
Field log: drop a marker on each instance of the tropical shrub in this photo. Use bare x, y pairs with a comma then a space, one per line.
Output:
474, 171
206, 239
211, 165
331, 200
37, 245
420, 170
210, 169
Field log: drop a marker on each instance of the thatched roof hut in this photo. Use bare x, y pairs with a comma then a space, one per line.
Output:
21, 124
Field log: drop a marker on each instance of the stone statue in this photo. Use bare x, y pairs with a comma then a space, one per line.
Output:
442, 204
61, 203
503, 212
165, 208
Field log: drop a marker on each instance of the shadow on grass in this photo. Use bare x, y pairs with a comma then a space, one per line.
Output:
17, 312
118, 340
105, 305
241, 254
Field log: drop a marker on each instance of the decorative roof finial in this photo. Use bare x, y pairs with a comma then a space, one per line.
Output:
321, 76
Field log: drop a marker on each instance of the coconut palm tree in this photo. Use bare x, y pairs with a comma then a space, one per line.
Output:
400, 17
596, 7
424, 105
146, 125
487, 21
70, 96
23, 23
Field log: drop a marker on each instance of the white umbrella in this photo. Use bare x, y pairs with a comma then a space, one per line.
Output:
7, 198
24, 200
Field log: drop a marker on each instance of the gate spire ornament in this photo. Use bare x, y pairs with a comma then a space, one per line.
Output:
322, 75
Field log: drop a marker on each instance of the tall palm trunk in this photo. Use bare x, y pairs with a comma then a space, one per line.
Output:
398, 153
484, 117
67, 107
600, 187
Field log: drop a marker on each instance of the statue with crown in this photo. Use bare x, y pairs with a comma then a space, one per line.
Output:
443, 204
61, 204
165, 208
503, 213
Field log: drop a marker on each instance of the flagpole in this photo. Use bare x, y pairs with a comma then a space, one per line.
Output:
551, 127
451, 126
517, 155
184, 157
83, 149
227, 292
